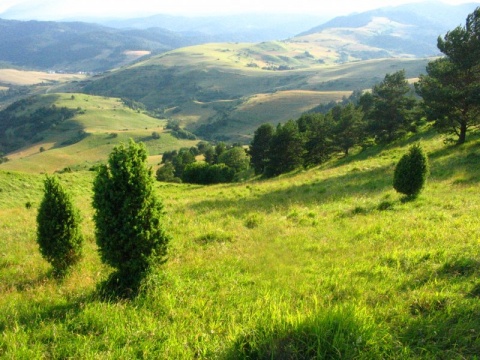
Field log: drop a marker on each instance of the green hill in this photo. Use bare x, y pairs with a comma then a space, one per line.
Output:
81, 141
213, 85
77, 46
325, 263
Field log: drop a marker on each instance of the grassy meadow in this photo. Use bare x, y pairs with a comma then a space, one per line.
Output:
322, 263
242, 84
88, 138
24, 78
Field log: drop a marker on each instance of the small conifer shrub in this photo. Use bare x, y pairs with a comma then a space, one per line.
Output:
411, 172
129, 232
59, 233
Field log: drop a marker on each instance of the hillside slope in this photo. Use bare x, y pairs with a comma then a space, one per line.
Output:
76, 46
409, 30
329, 260
213, 85
83, 139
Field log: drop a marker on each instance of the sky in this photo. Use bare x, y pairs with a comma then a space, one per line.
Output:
67, 9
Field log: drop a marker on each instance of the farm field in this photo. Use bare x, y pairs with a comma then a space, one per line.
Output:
327, 261
22, 78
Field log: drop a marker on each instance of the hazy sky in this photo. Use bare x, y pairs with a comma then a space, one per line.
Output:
64, 9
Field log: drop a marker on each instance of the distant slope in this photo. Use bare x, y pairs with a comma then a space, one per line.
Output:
75, 46
210, 87
239, 27
408, 31
85, 138
13, 77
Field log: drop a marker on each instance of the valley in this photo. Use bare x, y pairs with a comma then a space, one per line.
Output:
324, 260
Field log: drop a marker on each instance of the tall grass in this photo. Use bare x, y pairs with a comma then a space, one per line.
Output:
325, 263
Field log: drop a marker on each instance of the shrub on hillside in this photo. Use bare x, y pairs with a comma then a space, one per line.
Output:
205, 174
235, 158
411, 172
166, 172
58, 232
129, 233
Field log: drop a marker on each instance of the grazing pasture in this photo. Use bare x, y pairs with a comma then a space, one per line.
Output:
323, 263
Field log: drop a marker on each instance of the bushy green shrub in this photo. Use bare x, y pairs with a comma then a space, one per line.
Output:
205, 174
129, 233
166, 173
411, 172
58, 232
235, 158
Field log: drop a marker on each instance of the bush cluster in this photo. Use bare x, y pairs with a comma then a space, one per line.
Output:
221, 164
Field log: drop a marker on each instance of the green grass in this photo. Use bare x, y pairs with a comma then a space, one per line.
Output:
88, 138
326, 263
212, 82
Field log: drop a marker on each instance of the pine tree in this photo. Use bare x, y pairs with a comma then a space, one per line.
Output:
411, 172
58, 232
260, 147
451, 87
287, 149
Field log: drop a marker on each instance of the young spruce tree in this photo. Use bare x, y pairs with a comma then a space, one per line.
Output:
129, 233
411, 172
58, 232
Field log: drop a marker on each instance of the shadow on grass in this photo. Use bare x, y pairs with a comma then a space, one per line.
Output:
58, 277
328, 190
118, 287
38, 313
448, 161
332, 334
124, 287
28, 284
443, 330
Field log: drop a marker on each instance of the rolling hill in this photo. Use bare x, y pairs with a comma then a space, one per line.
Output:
324, 261
409, 30
210, 87
76, 46
229, 89
83, 139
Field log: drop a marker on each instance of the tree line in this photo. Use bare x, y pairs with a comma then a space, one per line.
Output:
384, 114
448, 96
221, 164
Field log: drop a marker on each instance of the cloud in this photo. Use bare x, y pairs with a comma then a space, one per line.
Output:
61, 9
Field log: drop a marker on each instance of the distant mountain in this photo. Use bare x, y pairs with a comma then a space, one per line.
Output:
89, 47
240, 27
76, 46
407, 31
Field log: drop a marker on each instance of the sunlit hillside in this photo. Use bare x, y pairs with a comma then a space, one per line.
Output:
86, 139
324, 263
219, 86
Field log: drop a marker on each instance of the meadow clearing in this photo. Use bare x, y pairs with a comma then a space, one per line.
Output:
322, 263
